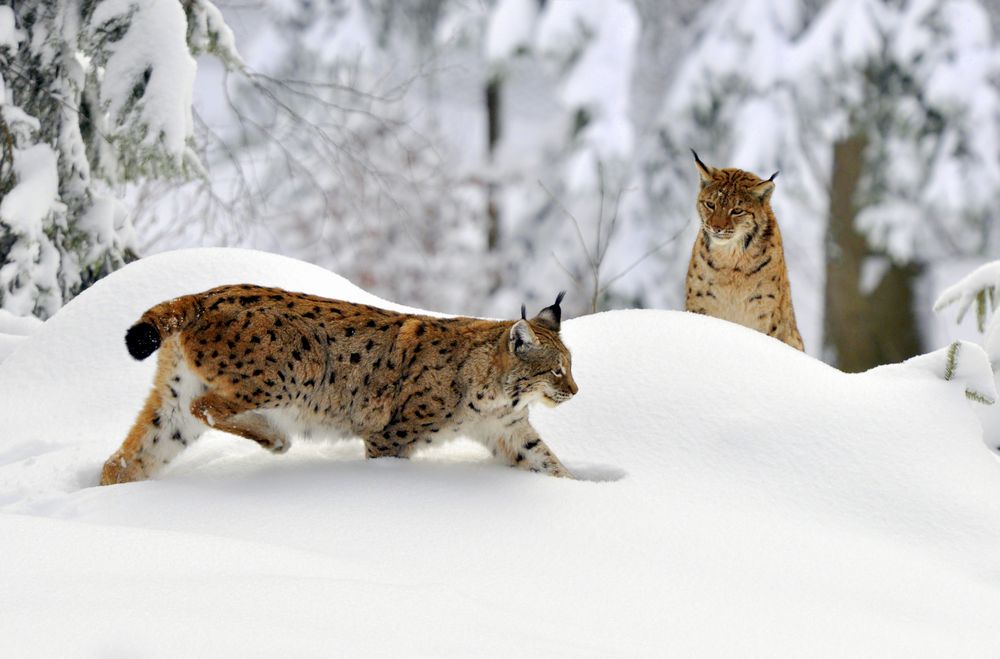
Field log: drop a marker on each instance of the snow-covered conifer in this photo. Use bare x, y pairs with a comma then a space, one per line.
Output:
92, 96
980, 290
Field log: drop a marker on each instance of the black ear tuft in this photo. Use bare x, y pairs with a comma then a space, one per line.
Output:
524, 312
551, 317
774, 175
704, 171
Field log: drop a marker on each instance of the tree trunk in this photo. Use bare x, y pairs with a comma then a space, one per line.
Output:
862, 329
493, 110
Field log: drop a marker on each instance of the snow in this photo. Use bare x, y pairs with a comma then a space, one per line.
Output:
25, 206
510, 28
154, 48
18, 325
984, 280
964, 291
14, 330
740, 499
31, 261
980, 286
208, 32
596, 79
873, 270
10, 36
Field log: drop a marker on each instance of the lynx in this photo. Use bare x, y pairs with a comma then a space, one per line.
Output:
737, 270
264, 363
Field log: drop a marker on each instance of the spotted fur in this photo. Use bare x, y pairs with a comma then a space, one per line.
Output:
737, 270
264, 364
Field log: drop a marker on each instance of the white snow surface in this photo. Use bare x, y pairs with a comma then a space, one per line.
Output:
14, 330
739, 498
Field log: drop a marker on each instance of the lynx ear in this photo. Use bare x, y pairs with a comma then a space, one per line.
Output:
551, 317
522, 339
764, 189
704, 170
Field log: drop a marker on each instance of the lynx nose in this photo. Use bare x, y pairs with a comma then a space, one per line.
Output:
571, 385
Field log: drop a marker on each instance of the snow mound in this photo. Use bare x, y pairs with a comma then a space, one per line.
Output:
963, 363
757, 502
13, 330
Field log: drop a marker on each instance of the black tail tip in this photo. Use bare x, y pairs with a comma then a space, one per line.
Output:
142, 340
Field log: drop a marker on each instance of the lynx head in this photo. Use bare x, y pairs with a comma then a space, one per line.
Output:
539, 363
732, 203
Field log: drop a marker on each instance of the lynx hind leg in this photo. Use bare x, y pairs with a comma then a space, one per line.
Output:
238, 418
386, 445
522, 448
163, 428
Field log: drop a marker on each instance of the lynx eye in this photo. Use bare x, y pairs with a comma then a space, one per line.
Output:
737, 211
559, 372
709, 205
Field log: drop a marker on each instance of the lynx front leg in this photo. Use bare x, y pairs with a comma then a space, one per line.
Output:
236, 418
163, 429
521, 447
134, 459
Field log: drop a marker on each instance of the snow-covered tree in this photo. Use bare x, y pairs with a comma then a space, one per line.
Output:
979, 290
93, 96
330, 155
883, 117
559, 199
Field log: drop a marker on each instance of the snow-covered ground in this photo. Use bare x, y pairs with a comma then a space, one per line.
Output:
739, 498
14, 330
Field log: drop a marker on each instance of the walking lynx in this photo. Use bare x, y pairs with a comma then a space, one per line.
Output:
263, 363
737, 270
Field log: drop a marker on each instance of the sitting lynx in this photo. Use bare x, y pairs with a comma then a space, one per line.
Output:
262, 363
737, 270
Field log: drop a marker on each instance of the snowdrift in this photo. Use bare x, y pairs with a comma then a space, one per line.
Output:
13, 330
738, 498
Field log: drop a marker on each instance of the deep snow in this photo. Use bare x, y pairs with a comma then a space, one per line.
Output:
744, 500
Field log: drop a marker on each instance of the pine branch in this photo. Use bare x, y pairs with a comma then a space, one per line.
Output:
977, 397
951, 360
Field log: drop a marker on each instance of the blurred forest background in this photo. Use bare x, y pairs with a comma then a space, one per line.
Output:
468, 155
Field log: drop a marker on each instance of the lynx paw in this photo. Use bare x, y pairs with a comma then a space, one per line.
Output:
559, 472
278, 445
118, 470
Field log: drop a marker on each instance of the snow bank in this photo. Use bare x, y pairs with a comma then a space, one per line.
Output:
751, 501
13, 330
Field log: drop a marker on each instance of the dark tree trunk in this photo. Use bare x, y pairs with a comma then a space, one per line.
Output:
493, 127
861, 330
